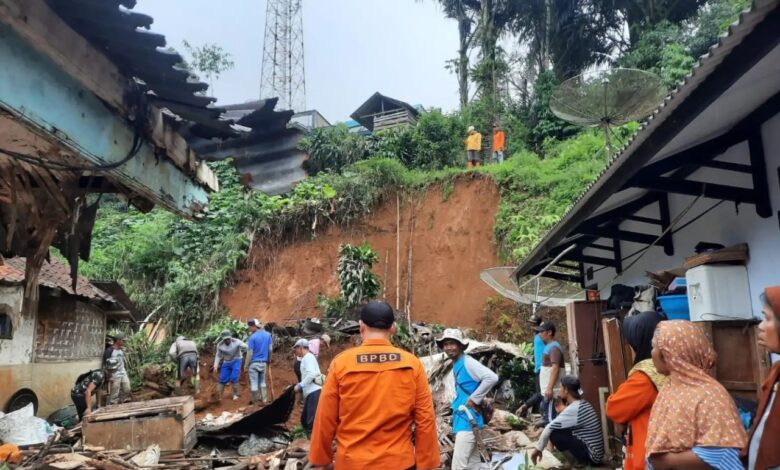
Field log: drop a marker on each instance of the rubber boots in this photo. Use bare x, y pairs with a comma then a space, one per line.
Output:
469, 165
220, 390
236, 392
255, 397
264, 394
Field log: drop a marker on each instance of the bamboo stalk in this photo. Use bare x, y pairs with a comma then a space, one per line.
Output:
397, 250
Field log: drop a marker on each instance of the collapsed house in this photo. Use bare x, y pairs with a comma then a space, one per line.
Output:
41, 353
91, 104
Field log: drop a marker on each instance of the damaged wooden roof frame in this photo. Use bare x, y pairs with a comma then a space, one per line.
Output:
72, 123
649, 180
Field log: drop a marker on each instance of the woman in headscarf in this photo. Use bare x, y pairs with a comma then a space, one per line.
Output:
762, 452
631, 403
694, 422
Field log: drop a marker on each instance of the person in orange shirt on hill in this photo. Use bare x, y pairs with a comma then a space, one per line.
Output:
499, 144
372, 396
631, 403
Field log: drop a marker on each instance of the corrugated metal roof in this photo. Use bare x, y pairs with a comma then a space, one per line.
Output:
55, 275
602, 187
267, 156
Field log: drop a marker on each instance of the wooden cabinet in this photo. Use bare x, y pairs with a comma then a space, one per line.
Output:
587, 349
741, 365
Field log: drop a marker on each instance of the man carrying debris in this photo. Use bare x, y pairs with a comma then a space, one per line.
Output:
373, 395
473, 381
119, 383
308, 387
81, 393
260, 347
184, 352
473, 147
229, 351
550, 373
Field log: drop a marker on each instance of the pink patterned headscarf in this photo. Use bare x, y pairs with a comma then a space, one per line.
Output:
693, 409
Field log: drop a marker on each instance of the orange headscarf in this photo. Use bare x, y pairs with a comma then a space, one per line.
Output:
693, 409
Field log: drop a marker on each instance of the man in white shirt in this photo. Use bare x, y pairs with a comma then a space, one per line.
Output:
309, 386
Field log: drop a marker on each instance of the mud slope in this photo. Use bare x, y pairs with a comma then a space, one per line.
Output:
452, 243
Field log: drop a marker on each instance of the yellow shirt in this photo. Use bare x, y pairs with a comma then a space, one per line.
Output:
474, 141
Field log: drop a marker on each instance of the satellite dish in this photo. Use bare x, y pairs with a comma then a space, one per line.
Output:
606, 98
539, 292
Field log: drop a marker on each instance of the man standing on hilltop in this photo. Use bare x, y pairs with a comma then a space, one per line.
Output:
260, 347
373, 396
473, 147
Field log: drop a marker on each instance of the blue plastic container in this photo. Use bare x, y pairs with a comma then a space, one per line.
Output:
675, 306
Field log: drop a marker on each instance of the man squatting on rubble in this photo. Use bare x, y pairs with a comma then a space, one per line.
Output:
86, 385
184, 352
373, 395
576, 431
229, 351
473, 381
308, 386
119, 381
260, 348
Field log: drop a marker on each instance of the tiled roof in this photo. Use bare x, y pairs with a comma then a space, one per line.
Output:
54, 274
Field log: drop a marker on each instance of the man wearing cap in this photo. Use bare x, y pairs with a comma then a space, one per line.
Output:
550, 373
119, 384
229, 351
576, 431
184, 353
373, 396
473, 381
260, 347
308, 387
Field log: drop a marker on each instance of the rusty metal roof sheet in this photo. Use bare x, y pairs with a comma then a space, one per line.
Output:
55, 275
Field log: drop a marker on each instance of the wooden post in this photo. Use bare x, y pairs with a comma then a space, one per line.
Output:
397, 250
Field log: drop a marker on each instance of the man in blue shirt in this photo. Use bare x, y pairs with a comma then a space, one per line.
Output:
260, 348
473, 381
536, 398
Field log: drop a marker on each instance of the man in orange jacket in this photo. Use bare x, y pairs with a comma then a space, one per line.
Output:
371, 398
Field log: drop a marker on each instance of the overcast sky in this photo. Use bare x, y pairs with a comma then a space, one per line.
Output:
352, 48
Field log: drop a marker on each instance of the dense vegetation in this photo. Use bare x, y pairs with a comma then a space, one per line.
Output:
176, 268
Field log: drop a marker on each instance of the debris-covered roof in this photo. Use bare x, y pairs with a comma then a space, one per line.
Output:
671, 116
55, 275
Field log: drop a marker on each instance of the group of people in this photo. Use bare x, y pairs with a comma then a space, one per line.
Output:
376, 404
474, 146
670, 411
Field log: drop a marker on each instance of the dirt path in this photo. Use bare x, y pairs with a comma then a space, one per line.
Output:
452, 243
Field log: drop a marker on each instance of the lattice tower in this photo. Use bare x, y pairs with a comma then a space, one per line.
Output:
283, 74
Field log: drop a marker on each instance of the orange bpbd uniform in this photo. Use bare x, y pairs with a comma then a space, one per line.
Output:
631, 404
371, 397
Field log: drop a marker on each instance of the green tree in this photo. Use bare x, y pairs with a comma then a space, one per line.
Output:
333, 148
356, 281
209, 59
464, 12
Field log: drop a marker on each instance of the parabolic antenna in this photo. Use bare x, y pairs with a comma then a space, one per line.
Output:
541, 291
606, 98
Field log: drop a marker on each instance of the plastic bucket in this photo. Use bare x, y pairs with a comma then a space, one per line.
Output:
675, 306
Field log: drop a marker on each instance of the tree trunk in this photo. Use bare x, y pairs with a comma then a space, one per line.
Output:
464, 31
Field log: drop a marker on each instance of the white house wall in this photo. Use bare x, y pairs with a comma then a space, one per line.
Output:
18, 350
722, 225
